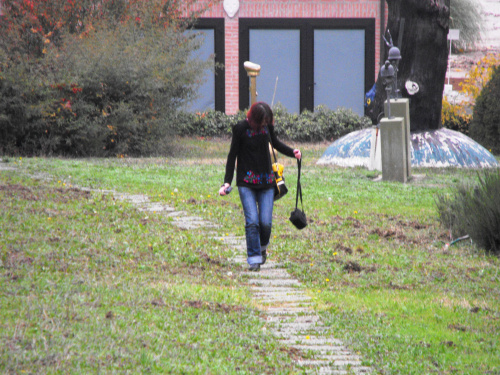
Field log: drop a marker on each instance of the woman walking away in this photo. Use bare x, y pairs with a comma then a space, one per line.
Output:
255, 178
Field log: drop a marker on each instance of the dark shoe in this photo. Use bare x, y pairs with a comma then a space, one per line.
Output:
264, 256
254, 267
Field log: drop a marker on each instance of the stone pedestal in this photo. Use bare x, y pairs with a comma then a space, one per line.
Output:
393, 147
401, 108
375, 153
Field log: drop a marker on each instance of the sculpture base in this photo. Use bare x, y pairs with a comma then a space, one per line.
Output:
435, 148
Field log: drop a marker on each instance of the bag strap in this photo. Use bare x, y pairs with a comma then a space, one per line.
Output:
299, 187
271, 143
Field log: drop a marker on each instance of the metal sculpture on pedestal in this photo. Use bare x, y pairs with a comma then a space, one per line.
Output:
394, 56
387, 72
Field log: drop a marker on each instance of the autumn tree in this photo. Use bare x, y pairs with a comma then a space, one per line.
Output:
94, 77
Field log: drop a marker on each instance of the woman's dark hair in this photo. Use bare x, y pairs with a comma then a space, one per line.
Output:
260, 114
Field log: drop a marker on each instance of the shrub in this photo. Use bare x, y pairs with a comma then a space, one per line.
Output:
455, 117
206, 124
474, 210
321, 125
485, 126
105, 85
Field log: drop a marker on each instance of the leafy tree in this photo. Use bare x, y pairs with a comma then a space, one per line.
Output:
457, 116
479, 75
466, 16
94, 77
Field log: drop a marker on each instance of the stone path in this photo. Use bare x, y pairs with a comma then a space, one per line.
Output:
288, 310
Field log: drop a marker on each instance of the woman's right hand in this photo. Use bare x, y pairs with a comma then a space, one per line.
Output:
222, 190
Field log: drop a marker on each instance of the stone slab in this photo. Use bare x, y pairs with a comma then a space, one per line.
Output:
287, 311
135, 199
277, 282
270, 271
277, 289
324, 349
177, 213
301, 326
283, 297
326, 362
156, 207
297, 319
313, 340
353, 370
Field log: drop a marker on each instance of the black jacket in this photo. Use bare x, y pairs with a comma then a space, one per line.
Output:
251, 149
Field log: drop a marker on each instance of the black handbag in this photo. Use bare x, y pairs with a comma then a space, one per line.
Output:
280, 188
297, 216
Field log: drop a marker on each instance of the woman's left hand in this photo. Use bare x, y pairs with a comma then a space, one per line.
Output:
297, 154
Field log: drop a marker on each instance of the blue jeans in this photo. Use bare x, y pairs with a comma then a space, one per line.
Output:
258, 211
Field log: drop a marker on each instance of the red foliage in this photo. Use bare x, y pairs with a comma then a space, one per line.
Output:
31, 25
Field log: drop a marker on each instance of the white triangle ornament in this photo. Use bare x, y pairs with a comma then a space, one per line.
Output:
231, 7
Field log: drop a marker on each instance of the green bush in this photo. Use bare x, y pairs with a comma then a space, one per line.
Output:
474, 210
206, 124
321, 125
105, 91
485, 126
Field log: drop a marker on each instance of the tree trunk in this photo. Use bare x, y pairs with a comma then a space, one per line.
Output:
424, 53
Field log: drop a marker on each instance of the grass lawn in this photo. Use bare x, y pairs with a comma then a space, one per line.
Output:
90, 284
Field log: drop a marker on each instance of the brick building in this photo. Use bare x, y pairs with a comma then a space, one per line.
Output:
312, 52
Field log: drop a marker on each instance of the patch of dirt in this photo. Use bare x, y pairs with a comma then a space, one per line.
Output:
413, 224
448, 343
19, 191
355, 222
293, 353
384, 233
352, 266
398, 233
158, 302
424, 344
213, 306
58, 195
457, 327
343, 248
399, 287
15, 260
207, 259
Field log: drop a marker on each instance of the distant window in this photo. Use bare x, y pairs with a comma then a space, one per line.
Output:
278, 52
339, 69
323, 61
211, 94
206, 92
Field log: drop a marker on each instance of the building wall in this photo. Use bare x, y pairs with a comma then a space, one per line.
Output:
284, 9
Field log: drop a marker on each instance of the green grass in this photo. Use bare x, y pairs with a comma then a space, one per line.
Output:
91, 284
